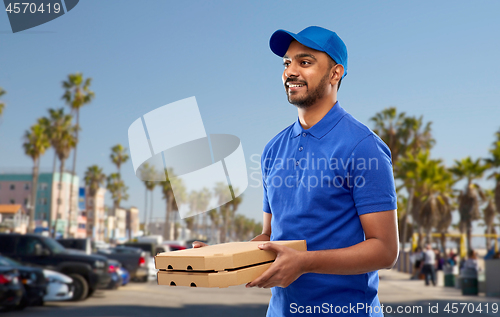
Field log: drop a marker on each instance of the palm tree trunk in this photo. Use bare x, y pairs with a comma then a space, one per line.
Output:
59, 200
469, 236
443, 242
166, 229
54, 164
151, 213
408, 210
488, 238
497, 195
205, 224
97, 222
31, 226
145, 212
73, 172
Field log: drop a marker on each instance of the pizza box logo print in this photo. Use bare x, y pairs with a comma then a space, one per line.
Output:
25, 15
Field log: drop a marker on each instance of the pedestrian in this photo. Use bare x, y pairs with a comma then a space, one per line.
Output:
417, 256
472, 263
328, 180
429, 265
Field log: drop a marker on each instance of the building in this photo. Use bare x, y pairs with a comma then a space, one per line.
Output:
13, 219
133, 222
81, 231
95, 214
120, 229
15, 188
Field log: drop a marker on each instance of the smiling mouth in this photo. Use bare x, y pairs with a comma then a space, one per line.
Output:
291, 87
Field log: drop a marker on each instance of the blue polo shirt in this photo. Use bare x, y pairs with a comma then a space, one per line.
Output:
317, 182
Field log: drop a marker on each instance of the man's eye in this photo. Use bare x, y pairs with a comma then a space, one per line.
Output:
305, 62
286, 64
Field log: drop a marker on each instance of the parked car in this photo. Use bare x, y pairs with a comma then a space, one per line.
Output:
59, 287
33, 280
87, 271
116, 279
174, 245
133, 259
84, 245
152, 248
11, 289
124, 274
152, 271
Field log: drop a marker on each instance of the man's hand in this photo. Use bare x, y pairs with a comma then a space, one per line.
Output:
199, 244
287, 267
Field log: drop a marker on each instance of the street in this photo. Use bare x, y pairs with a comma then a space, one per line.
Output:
149, 299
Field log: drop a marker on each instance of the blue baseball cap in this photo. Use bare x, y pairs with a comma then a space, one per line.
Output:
315, 37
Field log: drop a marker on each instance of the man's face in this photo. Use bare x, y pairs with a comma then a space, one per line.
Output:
306, 75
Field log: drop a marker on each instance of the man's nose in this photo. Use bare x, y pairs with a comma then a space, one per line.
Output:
291, 71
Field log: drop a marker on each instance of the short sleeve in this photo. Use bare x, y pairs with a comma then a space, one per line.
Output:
265, 201
371, 176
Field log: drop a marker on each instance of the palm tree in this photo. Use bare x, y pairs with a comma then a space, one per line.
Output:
2, 104
94, 178
430, 191
436, 206
61, 135
189, 223
36, 142
493, 163
76, 95
119, 156
221, 191
214, 220
204, 197
406, 137
118, 190
168, 195
388, 126
489, 216
198, 203
234, 204
470, 198
147, 173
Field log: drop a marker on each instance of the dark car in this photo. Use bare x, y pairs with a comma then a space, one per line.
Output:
124, 274
11, 289
84, 245
87, 271
133, 259
116, 278
33, 280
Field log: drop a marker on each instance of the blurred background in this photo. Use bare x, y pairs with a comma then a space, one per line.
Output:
423, 75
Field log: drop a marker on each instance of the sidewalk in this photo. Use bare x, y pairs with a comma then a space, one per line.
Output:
396, 287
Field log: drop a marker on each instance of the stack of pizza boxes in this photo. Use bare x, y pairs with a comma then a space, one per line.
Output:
219, 265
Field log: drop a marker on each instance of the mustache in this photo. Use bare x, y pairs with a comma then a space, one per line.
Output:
288, 80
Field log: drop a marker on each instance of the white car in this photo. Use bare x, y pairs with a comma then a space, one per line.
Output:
59, 286
152, 271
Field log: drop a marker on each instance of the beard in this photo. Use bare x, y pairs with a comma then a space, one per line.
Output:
309, 98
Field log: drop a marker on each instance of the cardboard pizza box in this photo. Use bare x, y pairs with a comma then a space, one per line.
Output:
219, 265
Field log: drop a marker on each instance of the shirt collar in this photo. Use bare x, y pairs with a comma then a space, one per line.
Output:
325, 125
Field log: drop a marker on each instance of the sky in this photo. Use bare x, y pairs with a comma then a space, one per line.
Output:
433, 59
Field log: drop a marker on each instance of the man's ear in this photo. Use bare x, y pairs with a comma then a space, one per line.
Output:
336, 74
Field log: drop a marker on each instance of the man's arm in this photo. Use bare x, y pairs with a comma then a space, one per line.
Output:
378, 251
266, 229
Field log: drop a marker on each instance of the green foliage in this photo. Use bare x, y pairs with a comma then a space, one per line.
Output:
77, 91
94, 178
36, 141
117, 188
119, 156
